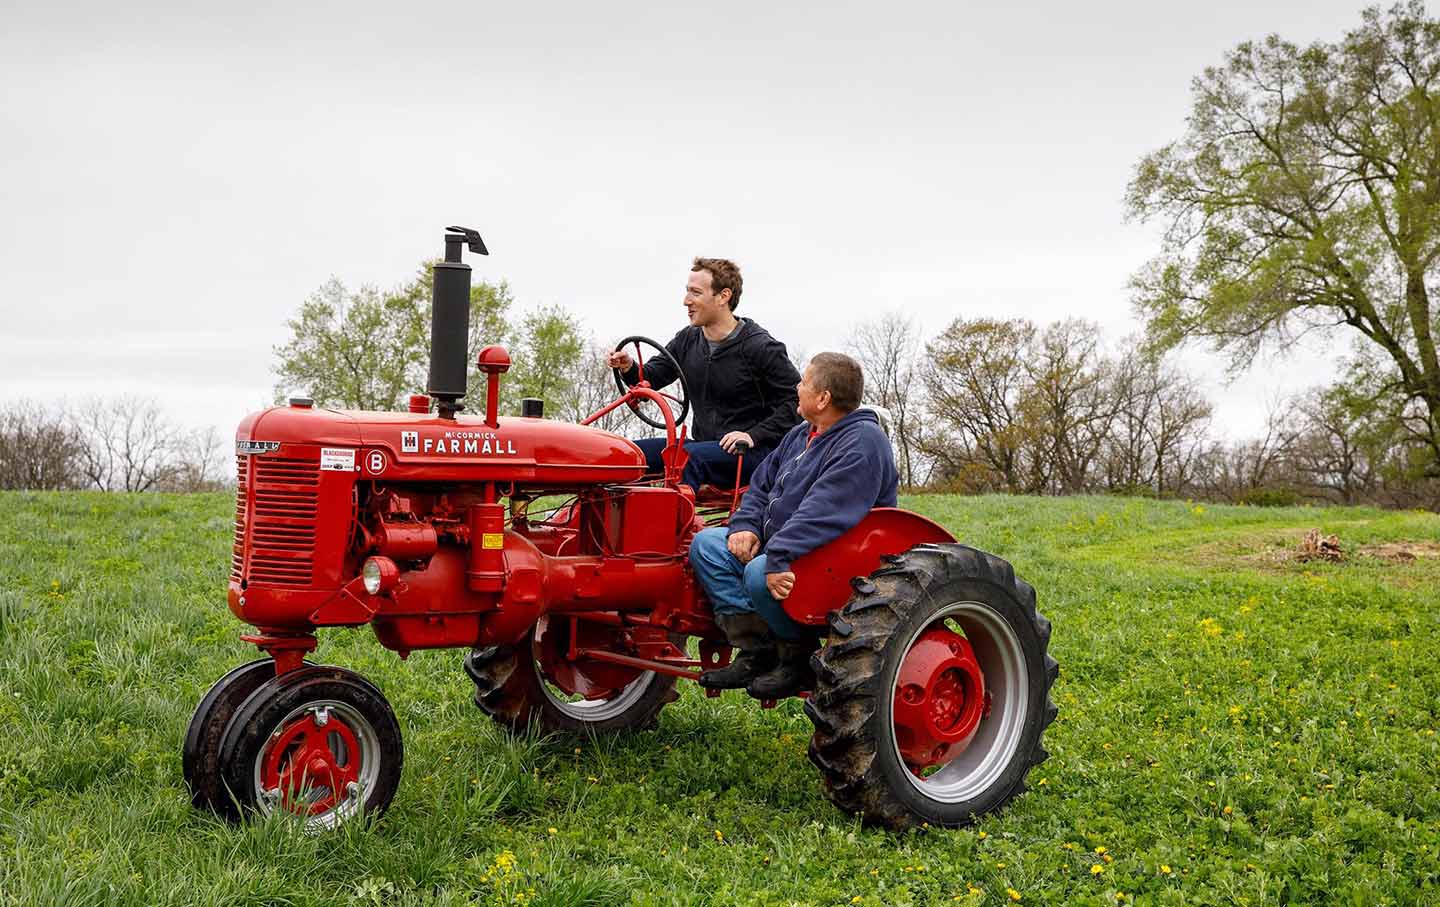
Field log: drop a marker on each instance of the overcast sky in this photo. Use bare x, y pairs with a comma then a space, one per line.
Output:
174, 180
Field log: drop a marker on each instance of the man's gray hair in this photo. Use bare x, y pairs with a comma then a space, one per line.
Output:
841, 376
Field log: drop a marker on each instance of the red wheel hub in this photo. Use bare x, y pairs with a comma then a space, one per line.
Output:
311, 762
939, 699
587, 678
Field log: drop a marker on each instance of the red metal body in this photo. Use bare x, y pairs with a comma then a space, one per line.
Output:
444, 505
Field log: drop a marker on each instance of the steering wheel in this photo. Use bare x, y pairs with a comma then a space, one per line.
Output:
683, 400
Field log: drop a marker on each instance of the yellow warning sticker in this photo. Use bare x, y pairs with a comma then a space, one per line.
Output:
492, 540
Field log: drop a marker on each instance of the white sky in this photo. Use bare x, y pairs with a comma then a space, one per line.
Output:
174, 181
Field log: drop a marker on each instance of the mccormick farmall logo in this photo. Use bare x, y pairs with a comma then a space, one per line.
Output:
457, 442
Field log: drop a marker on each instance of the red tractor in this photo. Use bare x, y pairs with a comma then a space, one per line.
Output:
932, 686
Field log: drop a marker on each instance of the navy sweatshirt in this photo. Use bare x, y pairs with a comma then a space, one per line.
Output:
803, 496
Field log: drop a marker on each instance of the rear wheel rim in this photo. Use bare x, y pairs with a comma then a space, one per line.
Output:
591, 711
997, 739
348, 730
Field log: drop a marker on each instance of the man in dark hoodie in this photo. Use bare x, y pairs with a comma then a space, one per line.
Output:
740, 379
823, 478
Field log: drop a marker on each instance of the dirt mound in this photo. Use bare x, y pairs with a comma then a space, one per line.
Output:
1402, 552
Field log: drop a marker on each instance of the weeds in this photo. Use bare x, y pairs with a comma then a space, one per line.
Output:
1233, 730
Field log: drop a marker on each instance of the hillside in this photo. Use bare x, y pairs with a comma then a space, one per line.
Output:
1236, 726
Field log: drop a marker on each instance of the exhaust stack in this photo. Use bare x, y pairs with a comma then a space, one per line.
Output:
450, 321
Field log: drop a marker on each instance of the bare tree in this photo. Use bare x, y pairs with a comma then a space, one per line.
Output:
594, 389
38, 448
200, 461
887, 349
1258, 464
1158, 434
129, 445
1069, 403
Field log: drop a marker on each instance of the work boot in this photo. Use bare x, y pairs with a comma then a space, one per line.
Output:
790, 676
755, 644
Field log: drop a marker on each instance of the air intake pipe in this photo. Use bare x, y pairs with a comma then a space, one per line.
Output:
450, 322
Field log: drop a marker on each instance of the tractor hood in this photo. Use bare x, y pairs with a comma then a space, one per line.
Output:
422, 447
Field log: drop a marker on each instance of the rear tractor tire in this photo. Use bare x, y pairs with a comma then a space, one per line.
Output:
511, 687
934, 691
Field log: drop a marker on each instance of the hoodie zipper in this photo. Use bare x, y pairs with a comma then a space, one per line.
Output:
780, 486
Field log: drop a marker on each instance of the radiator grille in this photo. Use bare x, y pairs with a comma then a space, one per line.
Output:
237, 557
281, 530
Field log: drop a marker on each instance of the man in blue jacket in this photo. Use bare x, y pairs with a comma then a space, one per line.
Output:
823, 478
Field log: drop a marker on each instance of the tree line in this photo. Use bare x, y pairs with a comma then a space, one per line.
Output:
986, 405
997, 405
110, 444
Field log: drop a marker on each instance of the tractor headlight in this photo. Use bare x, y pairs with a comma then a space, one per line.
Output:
379, 575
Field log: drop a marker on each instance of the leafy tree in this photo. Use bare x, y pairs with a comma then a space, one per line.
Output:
369, 350
549, 361
1305, 195
975, 379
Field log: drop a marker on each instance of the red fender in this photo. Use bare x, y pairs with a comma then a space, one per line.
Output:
822, 577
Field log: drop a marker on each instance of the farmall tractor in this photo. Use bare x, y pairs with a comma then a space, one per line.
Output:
932, 678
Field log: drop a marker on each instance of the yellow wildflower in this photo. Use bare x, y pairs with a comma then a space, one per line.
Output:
1096, 869
1164, 870
1014, 895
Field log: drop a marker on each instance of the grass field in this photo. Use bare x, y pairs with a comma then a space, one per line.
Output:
1235, 728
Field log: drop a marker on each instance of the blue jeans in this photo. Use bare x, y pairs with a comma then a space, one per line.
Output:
735, 588
709, 464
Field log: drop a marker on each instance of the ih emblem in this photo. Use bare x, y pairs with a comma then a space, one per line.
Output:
409, 442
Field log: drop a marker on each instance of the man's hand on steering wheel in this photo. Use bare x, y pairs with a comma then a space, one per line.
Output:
619, 359
733, 440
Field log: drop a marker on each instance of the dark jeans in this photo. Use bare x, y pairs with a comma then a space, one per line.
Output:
708, 465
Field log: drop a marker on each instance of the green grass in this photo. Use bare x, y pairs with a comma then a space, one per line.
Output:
1262, 729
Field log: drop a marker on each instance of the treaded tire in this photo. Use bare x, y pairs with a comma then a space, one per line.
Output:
200, 752
851, 707
265, 712
508, 688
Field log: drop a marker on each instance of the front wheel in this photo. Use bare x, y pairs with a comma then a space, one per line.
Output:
318, 742
200, 752
934, 691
